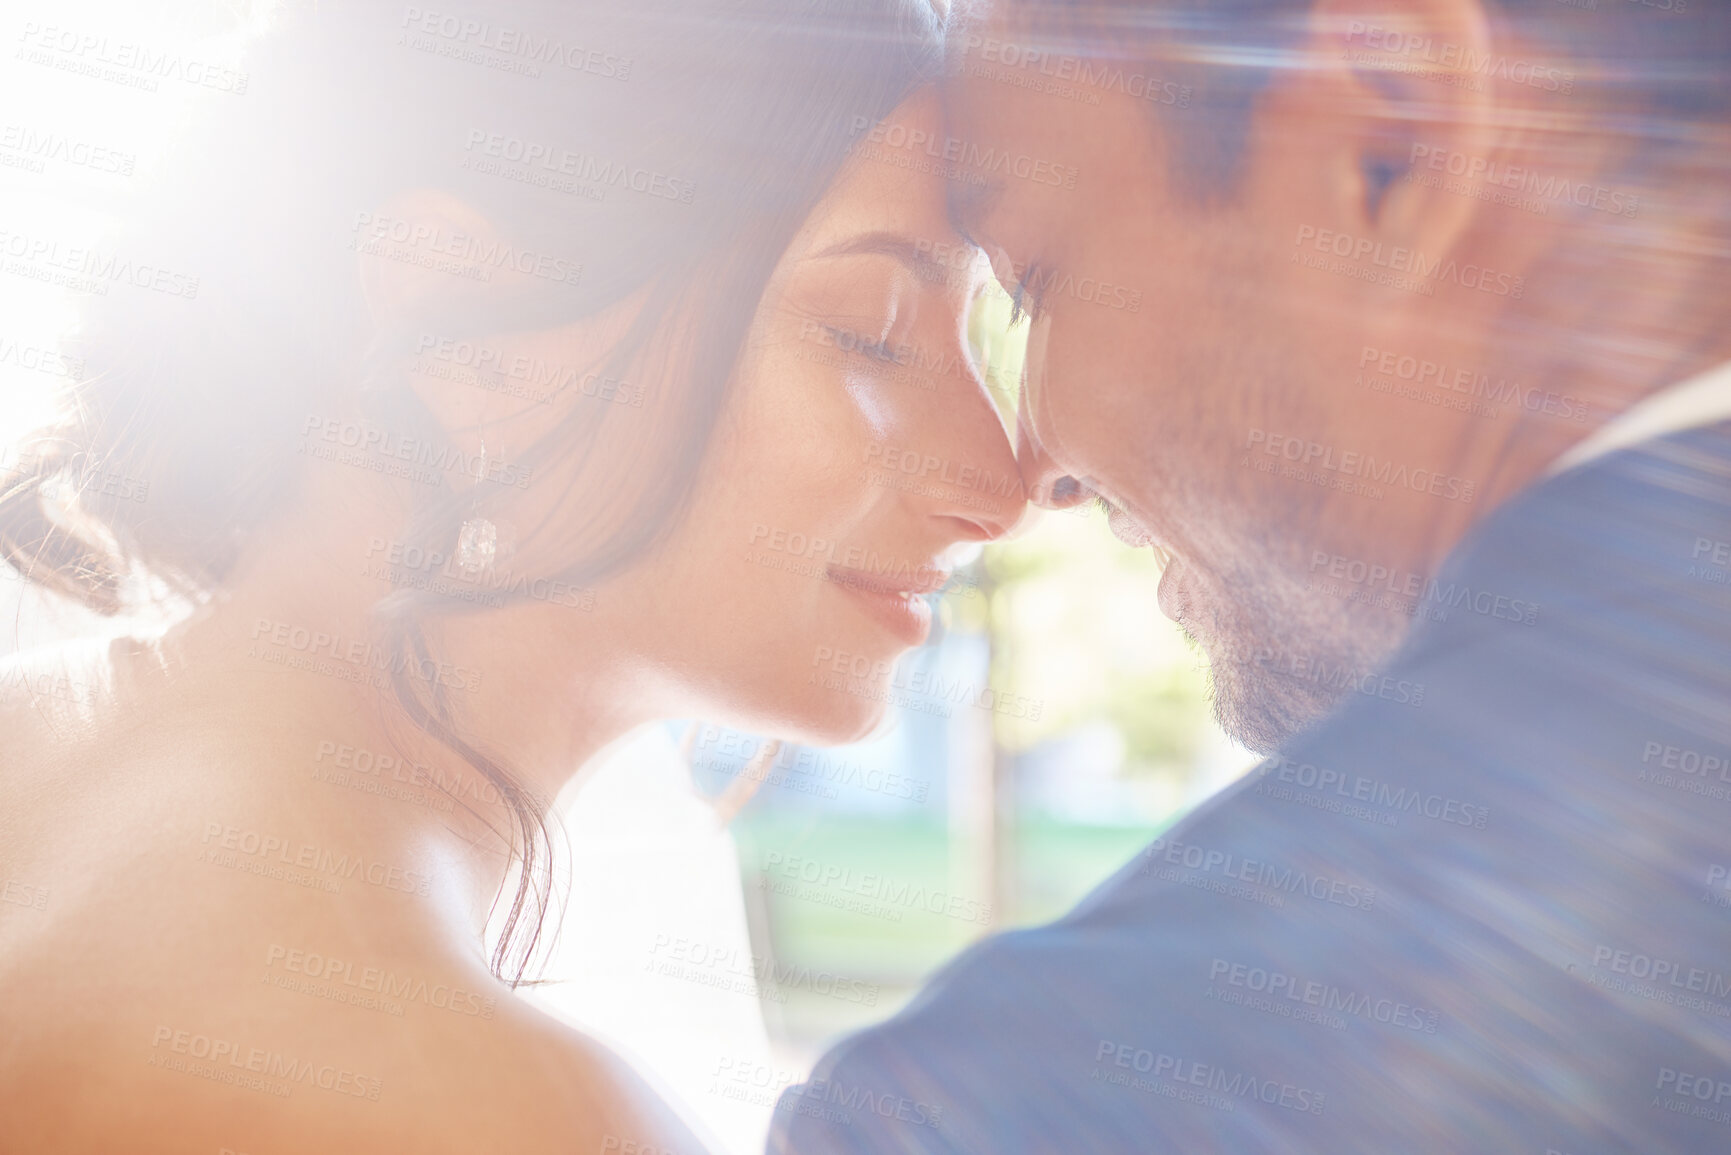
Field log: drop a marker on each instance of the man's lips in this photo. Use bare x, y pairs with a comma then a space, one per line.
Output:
1173, 602
1126, 528
1134, 534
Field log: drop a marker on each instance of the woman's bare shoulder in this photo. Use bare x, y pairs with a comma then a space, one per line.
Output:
516, 1083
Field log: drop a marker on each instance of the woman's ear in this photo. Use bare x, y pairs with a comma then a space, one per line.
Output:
440, 278
423, 261
416, 255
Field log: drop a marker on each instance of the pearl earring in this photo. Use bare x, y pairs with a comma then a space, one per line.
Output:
478, 538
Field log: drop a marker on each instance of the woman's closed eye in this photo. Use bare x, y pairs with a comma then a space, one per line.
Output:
865, 344
863, 305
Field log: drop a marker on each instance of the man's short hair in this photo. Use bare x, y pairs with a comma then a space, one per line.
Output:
1656, 69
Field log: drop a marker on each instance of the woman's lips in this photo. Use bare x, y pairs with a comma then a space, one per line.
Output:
896, 603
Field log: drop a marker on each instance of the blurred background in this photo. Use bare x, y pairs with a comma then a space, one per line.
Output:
1055, 723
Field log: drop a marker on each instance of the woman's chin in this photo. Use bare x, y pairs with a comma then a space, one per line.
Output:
827, 722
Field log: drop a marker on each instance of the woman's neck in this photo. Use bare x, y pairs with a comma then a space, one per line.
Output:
283, 689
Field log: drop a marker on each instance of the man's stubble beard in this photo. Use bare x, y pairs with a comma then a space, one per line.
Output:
1277, 650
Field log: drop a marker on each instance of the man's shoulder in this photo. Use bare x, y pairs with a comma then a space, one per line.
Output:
1500, 887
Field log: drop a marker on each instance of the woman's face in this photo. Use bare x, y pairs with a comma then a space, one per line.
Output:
859, 454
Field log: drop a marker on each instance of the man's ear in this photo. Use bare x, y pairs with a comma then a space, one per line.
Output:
1407, 81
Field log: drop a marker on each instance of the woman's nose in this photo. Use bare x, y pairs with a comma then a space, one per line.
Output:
968, 471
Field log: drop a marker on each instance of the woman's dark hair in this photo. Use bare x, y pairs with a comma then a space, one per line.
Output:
690, 139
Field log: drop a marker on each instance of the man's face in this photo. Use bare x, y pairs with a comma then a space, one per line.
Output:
1186, 368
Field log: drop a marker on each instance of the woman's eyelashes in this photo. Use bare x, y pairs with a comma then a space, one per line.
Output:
876, 348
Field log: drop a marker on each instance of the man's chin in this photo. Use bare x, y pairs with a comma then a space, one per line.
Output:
1263, 710
1281, 657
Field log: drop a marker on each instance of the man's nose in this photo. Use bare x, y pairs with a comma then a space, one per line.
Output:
1044, 479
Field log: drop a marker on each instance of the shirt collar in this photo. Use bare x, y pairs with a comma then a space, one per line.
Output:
1701, 400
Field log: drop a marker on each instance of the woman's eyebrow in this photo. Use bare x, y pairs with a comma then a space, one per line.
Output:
915, 254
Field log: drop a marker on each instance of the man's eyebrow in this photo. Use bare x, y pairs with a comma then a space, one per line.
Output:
908, 251
968, 206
